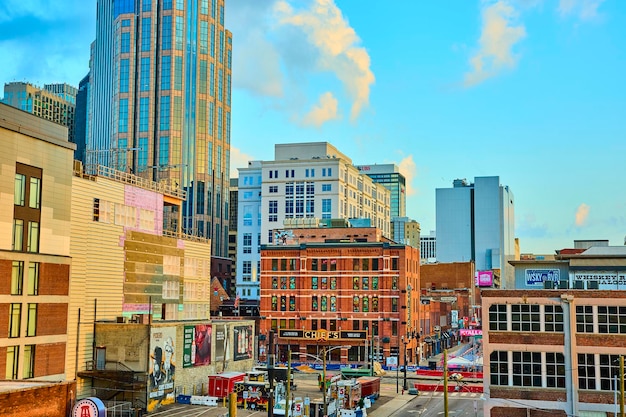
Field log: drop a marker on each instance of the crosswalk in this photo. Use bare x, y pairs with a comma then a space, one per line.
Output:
451, 394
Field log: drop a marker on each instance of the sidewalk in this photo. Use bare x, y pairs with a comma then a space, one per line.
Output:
391, 406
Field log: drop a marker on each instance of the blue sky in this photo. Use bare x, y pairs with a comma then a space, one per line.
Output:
529, 90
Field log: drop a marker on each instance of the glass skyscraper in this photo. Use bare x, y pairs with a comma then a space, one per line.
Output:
159, 104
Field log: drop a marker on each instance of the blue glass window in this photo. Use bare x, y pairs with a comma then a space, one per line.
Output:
145, 74
220, 85
164, 113
167, 4
212, 40
221, 57
219, 122
179, 33
166, 33
166, 72
144, 107
203, 76
204, 7
204, 37
222, 15
122, 125
125, 43
146, 5
178, 73
125, 23
142, 155
213, 8
228, 89
124, 74
227, 127
164, 150
230, 59
180, 4
123, 7
146, 33
211, 118
212, 81
122, 143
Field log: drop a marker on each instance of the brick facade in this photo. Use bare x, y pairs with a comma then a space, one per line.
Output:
51, 319
510, 338
4, 320
49, 359
6, 267
54, 279
53, 400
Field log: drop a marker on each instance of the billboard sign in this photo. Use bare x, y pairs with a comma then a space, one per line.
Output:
536, 277
162, 367
243, 341
484, 278
470, 332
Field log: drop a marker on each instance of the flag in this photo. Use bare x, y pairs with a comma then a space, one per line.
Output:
237, 301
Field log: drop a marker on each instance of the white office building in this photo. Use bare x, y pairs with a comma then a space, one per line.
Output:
304, 184
475, 221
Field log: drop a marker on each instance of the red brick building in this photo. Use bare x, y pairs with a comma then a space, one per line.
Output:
552, 351
339, 287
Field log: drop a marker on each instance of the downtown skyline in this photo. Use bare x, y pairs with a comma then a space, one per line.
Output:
529, 91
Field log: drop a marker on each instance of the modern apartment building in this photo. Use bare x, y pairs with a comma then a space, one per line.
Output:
389, 175
343, 287
54, 102
36, 171
304, 184
475, 222
160, 103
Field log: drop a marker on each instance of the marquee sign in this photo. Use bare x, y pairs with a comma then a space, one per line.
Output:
323, 335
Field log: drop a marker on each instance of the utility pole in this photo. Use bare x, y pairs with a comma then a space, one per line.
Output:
621, 385
445, 383
325, 407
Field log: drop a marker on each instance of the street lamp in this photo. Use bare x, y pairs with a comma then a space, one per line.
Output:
404, 342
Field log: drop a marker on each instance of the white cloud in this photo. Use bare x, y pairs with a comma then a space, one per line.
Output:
408, 168
498, 37
584, 9
581, 214
324, 111
337, 44
238, 159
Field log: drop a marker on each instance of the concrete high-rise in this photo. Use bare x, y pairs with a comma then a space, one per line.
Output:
159, 103
389, 175
476, 222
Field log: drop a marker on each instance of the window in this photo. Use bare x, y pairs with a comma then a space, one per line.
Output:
584, 319
273, 211
204, 37
314, 264
166, 33
365, 283
146, 31
609, 367
333, 283
164, 113
33, 278
15, 319
366, 304
611, 319
553, 316
333, 306
355, 283
375, 304
375, 283
314, 305
273, 188
144, 112
326, 187
283, 303
247, 243
247, 267
20, 190
18, 234
314, 283
324, 303
274, 264
394, 283
33, 237
497, 317
12, 362
527, 369
292, 303
125, 43
324, 283
31, 326
326, 208
394, 264
555, 369
17, 278
499, 368
292, 283
274, 303
525, 318
586, 371
394, 305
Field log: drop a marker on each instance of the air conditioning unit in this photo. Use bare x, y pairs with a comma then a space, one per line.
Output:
579, 285
592, 285
548, 285
563, 285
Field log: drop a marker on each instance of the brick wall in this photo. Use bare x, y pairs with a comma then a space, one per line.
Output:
604, 340
516, 338
51, 319
539, 394
5, 276
54, 279
48, 401
523, 412
595, 397
49, 359
4, 320
3, 361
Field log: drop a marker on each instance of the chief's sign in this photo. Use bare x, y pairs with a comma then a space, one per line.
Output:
322, 335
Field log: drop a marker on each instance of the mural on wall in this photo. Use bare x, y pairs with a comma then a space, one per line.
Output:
197, 345
243, 340
162, 367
